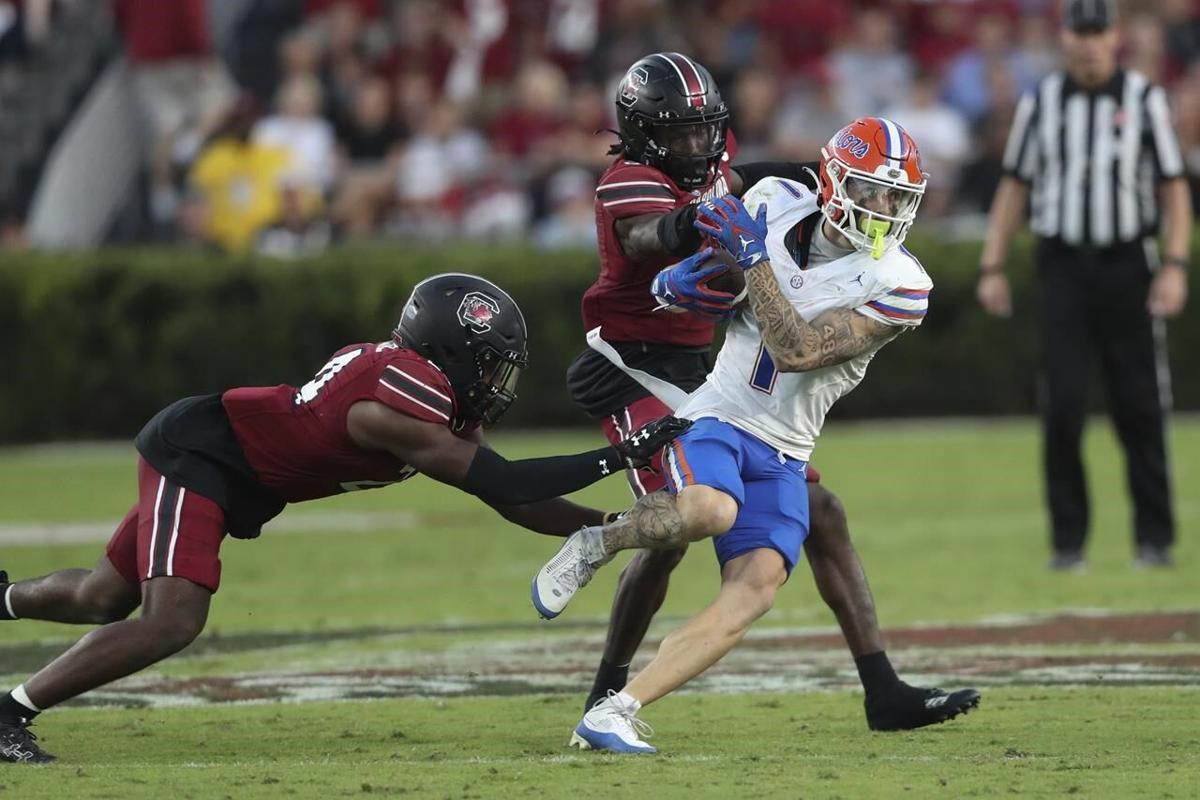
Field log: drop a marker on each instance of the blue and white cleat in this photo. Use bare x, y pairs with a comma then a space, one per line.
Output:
569, 571
613, 727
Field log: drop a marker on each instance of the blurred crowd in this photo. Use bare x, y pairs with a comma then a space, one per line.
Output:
284, 125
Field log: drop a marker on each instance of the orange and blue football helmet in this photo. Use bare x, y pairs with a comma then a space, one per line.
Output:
871, 182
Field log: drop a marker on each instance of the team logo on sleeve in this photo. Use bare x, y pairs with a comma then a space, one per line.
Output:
477, 311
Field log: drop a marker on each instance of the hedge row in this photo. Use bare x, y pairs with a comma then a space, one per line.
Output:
93, 344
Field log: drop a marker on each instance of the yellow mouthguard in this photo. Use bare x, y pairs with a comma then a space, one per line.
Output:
877, 229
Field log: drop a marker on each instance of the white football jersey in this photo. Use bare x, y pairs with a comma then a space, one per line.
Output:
787, 409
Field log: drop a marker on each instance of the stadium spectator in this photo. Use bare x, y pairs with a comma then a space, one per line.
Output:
967, 82
869, 70
943, 135
534, 118
1181, 18
1146, 47
181, 84
572, 219
982, 169
298, 128
805, 117
24, 25
235, 184
422, 43
437, 164
300, 230
369, 142
755, 100
944, 32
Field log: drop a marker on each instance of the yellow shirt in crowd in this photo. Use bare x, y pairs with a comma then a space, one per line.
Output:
239, 182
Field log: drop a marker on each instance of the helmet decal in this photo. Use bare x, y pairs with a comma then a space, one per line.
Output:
476, 312
635, 79
693, 83
855, 145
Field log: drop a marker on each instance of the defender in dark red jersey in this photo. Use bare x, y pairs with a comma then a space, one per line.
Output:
375, 414
674, 152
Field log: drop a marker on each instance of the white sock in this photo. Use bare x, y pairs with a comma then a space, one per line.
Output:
21, 697
8, 602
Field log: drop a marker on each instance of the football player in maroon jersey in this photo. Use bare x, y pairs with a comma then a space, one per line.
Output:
375, 414
675, 152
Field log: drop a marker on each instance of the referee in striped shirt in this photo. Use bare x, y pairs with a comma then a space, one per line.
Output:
1093, 149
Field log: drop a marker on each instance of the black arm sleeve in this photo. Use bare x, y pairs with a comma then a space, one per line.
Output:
495, 479
792, 170
678, 235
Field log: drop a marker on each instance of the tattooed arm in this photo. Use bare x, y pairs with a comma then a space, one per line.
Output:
653, 522
797, 345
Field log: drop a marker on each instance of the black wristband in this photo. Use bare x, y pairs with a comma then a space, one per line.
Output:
799, 171
497, 480
677, 232
1176, 261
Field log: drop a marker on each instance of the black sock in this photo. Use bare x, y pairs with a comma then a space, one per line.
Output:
5, 600
10, 708
609, 676
876, 673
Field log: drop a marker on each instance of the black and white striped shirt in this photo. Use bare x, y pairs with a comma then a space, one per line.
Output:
1094, 157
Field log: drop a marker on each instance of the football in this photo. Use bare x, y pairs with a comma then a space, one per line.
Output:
733, 279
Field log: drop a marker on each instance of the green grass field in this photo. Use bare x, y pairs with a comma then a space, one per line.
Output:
410, 604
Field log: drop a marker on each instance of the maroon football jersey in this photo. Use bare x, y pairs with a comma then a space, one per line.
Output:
295, 438
620, 299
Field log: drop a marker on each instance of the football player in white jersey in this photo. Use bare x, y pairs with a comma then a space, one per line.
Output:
829, 283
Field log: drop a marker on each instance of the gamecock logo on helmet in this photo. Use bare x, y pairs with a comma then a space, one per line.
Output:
635, 79
477, 312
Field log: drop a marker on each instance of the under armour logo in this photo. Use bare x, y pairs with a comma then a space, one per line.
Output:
638, 437
604, 470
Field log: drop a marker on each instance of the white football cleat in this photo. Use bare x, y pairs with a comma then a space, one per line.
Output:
569, 571
614, 727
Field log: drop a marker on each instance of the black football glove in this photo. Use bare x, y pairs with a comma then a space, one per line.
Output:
642, 444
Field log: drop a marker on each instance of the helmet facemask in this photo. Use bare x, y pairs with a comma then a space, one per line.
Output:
496, 388
686, 150
873, 211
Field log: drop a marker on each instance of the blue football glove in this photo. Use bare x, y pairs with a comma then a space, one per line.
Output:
727, 220
682, 287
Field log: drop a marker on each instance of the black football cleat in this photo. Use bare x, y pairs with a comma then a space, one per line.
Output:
18, 744
911, 707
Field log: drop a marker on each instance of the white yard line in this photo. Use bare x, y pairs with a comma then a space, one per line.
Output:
43, 533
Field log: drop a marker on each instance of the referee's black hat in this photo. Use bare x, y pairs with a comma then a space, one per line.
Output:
1085, 16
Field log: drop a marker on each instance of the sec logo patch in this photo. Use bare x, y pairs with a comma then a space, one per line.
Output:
797, 281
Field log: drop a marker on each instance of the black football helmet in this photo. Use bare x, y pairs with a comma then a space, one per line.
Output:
671, 116
475, 333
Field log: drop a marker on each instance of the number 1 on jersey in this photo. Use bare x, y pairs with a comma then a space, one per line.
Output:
762, 377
